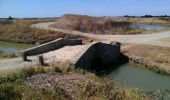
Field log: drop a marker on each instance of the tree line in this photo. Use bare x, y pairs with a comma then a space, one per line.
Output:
147, 16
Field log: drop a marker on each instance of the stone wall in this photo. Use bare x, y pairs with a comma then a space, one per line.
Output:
99, 55
50, 46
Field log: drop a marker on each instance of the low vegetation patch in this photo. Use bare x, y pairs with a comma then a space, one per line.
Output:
153, 57
21, 32
47, 84
152, 21
6, 55
96, 25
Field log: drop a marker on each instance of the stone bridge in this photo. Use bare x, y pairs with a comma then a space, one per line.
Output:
71, 53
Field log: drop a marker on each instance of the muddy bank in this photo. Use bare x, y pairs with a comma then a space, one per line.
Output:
155, 58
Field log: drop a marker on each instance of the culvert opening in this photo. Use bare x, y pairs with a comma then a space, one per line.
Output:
97, 64
100, 68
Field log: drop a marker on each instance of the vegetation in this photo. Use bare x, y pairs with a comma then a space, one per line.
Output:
153, 21
20, 31
152, 57
147, 16
18, 46
7, 55
12, 87
5, 22
96, 25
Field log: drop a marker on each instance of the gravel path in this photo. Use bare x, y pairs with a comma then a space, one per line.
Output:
154, 38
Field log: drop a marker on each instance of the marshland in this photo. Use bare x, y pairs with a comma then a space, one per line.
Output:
142, 71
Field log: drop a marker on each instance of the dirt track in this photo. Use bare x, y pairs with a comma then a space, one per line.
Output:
154, 38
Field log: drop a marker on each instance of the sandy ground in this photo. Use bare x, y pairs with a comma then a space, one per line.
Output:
154, 39
66, 53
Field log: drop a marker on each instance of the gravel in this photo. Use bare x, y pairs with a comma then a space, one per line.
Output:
68, 82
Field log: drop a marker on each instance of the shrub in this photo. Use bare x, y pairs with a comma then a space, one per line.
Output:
7, 92
26, 34
96, 25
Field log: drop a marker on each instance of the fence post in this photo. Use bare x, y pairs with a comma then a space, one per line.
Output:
41, 60
24, 57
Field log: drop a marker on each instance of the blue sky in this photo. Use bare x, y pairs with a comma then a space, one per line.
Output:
54, 8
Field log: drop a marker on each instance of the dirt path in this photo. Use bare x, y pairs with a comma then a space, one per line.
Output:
10, 65
154, 38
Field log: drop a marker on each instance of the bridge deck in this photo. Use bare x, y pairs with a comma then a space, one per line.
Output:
66, 53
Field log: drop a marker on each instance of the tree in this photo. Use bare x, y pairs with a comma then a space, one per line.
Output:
127, 16
10, 18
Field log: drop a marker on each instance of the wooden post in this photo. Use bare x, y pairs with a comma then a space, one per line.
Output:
24, 57
41, 60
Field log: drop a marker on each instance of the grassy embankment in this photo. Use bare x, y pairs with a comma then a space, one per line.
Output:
155, 58
6, 55
21, 32
13, 87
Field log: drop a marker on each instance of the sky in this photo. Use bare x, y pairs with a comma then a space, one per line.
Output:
56, 8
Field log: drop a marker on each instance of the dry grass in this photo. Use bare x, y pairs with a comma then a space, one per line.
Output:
23, 33
153, 57
151, 21
95, 25
6, 56
34, 21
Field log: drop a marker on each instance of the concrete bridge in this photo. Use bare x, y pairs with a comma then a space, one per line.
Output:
71, 53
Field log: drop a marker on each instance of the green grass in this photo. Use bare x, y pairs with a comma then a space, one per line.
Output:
159, 70
19, 46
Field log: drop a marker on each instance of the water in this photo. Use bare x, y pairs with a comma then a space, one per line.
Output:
134, 76
7, 47
8, 50
149, 27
